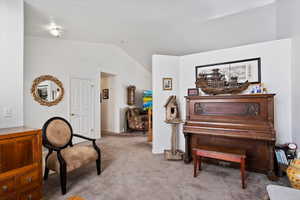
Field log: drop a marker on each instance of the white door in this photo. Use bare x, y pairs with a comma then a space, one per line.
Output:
82, 109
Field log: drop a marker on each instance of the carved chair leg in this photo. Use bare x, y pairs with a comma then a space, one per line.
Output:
199, 162
98, 164
46, 173
63, 181
195, 168
242, 168
98, 161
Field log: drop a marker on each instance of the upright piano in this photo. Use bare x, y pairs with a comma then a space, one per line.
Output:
233, 121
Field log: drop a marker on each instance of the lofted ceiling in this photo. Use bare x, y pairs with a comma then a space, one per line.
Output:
146, 27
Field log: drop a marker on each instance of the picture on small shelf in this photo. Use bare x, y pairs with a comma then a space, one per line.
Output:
193, 92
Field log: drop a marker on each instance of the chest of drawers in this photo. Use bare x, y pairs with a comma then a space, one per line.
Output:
20, 164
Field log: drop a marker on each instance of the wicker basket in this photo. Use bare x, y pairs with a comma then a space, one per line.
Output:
293, 172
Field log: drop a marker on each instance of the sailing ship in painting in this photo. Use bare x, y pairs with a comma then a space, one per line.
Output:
216, 83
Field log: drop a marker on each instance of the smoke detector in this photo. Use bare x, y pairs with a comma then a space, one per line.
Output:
55, 30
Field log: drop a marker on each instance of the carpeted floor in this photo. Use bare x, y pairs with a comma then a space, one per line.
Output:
131, 171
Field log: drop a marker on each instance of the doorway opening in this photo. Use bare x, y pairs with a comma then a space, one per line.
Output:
109, 103
120, 116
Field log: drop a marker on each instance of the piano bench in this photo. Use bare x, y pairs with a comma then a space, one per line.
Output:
220, 153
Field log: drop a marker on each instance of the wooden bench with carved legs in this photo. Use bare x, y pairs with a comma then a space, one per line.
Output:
220, 153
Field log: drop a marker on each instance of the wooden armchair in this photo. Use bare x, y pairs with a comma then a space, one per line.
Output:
63, 157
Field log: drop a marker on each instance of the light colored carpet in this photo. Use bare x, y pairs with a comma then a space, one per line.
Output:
131, 171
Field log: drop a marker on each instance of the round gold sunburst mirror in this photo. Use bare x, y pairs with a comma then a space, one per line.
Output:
47, 90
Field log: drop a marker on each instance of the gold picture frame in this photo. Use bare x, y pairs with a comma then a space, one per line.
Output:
105, 93
167, 84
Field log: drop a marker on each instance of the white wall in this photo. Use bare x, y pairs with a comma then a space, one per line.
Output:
276, 70
288, 16
11, 62
162, 67
65, 59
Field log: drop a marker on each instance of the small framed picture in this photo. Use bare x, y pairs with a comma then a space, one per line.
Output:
193, 92
105, 93
167, 84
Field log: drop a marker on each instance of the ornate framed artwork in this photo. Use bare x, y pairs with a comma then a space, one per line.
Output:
47, 90
167, 84
246, 70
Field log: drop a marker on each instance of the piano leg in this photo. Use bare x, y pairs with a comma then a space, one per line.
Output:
195, 165
272, 176
188, 154
271, 173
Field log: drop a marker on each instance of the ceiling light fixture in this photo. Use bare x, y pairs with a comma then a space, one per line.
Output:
55, 30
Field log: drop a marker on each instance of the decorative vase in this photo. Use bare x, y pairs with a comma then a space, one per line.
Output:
293, 172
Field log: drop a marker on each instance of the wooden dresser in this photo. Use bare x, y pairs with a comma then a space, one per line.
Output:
20, 164
233, 121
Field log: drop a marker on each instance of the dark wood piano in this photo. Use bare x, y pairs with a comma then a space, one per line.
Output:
233, 121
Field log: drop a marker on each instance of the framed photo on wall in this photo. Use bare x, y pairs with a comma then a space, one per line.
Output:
246, 70
105, 93
193, 92
167, 84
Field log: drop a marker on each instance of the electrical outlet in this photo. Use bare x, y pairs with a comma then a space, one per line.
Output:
7, 112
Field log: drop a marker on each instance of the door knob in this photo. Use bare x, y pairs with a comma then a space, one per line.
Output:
29, 179
72, 114
4, 188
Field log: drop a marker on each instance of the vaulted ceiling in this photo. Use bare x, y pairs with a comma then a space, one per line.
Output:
146, 27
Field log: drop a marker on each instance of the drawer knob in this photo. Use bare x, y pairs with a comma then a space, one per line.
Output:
4, 188
29, 197
29, 179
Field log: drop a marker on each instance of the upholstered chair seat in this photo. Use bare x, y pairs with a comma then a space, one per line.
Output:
63, 156
75, 157
136, 120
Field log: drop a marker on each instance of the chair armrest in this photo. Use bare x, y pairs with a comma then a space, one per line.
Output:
83, 137
94, 144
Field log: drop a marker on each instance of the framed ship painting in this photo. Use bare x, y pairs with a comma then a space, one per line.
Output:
246, 70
